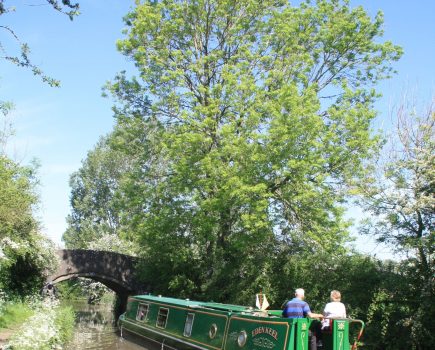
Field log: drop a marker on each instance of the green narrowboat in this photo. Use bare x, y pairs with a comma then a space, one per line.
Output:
169, 323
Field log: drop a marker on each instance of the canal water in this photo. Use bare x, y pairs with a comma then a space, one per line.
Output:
96, 329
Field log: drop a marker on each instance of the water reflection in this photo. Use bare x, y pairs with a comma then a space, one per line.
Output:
96, 329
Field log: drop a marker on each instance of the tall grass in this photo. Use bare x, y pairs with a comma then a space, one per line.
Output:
65, 322
14, 313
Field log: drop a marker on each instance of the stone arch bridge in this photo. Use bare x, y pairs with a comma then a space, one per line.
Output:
116, 271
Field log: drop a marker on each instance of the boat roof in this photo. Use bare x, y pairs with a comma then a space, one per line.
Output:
195, 304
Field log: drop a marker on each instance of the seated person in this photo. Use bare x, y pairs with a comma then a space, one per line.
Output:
334, 309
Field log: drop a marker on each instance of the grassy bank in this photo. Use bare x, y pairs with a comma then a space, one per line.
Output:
49, 327
13, 314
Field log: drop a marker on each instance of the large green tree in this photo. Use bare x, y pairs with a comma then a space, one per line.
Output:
256, 118
93, 196
99, 189
260, 115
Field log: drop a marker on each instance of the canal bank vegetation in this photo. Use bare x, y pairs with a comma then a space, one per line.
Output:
49, 327
27, 321
87, 290
26, 256
237, 149
13, 314
35, 323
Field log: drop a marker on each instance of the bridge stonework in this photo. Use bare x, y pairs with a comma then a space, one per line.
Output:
116, 271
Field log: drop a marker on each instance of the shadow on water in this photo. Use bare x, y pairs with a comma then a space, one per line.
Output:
96, 329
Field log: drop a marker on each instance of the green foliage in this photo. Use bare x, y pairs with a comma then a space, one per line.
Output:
25, 255
93, 187
70, 290
96, 214
399, 316
13, 314
65, 322
84, 289
16, 199
16, 219
66, 7
356, 276
258, 117
26, 263
48, 328
400, 195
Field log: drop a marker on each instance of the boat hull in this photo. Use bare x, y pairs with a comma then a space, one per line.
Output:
167, 323
151, 339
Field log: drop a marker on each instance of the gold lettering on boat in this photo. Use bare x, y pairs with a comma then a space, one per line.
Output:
265, 330
262, 342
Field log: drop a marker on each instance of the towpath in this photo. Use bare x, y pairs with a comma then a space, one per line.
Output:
5, 334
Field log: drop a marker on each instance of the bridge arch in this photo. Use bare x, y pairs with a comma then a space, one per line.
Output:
114, 270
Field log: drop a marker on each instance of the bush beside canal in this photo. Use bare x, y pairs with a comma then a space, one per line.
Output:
48, 328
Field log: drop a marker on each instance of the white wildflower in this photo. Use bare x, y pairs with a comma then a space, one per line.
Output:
39, 331
2, 300
113, 243
7, 242
2, 255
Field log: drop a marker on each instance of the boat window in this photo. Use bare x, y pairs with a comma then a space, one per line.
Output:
142, 312
241, 339
213, 331
188, 325
162, 317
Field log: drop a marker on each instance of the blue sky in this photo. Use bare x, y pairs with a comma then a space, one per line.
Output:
58, 126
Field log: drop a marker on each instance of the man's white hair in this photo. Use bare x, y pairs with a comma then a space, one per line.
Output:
300, 292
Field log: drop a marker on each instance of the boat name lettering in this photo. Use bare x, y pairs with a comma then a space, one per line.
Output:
260, 330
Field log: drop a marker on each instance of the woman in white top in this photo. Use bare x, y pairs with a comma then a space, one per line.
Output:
334, 309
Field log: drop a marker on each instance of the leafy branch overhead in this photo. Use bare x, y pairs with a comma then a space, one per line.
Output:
23, 59
66, 7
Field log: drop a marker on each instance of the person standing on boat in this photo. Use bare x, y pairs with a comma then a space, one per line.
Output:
334, 309
298, 308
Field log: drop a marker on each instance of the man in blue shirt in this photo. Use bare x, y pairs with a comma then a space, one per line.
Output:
298, 308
